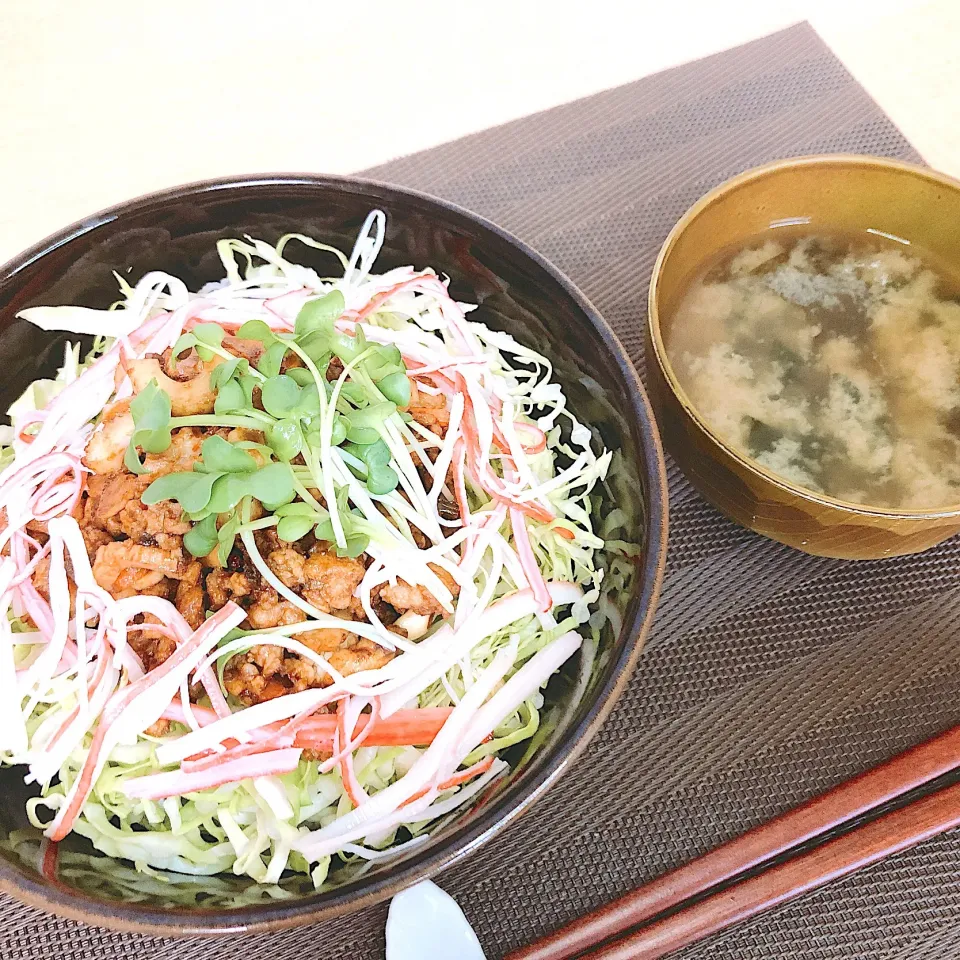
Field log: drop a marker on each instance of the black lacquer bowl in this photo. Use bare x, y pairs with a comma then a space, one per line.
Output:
517, 291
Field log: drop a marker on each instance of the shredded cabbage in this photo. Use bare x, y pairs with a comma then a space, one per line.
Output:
528, 530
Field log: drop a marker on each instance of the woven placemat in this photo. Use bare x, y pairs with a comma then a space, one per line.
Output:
770, 675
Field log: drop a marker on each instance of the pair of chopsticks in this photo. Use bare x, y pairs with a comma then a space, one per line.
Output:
737, 880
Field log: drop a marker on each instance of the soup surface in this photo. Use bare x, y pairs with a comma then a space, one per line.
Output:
833, 359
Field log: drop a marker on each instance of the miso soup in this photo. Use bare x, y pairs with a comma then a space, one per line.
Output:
833, 360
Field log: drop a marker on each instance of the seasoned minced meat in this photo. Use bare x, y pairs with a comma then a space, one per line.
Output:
125, 568
138, 549
403, 596
223, 586
190, 599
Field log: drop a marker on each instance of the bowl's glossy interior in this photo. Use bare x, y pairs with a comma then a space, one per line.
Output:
848, 193
517, 291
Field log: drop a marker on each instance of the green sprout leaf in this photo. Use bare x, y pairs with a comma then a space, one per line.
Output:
348, 348
248, 383
269, 364
363, 424
317, 346
224, 372
396, 387
211, 334
230, 380
376, 454
183, 343
293, 528
338, 432
373, 415
285, 438
309, 403
271, 506
319, 314
382, 480
383, 361
301, 376
362, 434
272, 483
221, 456
190, 489
353, 391
280, 396
150, 410
296, 509
231, 398
324, 531
202, 536
228, 491
207, 335
357, 543
256, 330
226, 536
202, 337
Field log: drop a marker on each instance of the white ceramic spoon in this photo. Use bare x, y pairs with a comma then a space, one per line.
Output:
424, 922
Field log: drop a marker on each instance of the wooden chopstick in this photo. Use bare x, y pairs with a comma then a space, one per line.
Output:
841, 805
888, 834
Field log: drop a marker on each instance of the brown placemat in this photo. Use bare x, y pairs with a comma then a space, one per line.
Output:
770, 675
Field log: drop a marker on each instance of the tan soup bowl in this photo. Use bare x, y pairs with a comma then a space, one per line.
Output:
833, 191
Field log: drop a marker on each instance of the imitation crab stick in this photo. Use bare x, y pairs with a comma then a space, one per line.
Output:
123, 704
416, 728
486, 433
481, 766
176, 782
405, 728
